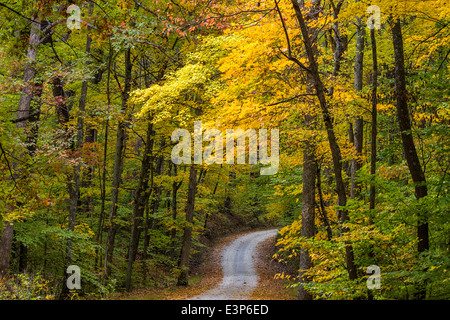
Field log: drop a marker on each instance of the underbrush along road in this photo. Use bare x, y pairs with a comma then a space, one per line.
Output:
239, 274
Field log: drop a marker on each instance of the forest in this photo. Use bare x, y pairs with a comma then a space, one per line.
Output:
118, 160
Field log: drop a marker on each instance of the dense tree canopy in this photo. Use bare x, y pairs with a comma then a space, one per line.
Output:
92, 94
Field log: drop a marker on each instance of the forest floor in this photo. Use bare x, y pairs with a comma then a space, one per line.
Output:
208, 275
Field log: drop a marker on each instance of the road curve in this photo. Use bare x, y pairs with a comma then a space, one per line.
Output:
239, 274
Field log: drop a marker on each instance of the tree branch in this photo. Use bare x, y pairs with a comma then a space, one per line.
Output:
26, 117
8, 165
145, 8
289, 56
292, 98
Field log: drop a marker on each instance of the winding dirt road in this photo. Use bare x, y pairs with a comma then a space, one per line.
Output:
239, 273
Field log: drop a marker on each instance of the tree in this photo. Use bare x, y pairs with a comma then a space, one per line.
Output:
23, 115
335, 150
356, 134
86, 117
373, 136
187, 235
412, 159
309, 173
140, 200
118, 163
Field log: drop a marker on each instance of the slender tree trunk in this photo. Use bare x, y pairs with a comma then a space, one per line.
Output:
358, 121
73, 182
412, 159
29, 72
325, 219
105, 151
157, 190
150, 222
117, 171
335, 151
309, 174
213, 193
339, 39
145, 247
141, 196
174, 205
183, 279
308, 210
309, 161
90, 133
373, 146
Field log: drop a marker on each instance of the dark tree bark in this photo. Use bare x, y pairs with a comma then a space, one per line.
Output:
334, 147
373, 146
151, 222
325, 219
308, 214
105, 152
90, 137
183, 278
404, 121
73, 182
117, 171
412, 159
62, 108
174, 206
141, 196
358, 121
309, 175
340, 41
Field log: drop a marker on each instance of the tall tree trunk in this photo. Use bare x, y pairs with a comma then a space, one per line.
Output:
73, 182
117, 171
412, 159
151, 222
90, 133
23, 113
174, 207
105, 152
157, 190
339, 39
141, 196
358, 121
308, 210
183, 278
309, 175
335, 150
29, 72
373, 146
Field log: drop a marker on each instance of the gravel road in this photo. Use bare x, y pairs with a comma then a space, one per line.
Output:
239, 274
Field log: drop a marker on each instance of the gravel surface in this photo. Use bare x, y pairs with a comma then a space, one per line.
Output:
239, 273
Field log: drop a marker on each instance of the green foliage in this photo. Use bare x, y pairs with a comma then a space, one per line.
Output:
25, 287
230, 69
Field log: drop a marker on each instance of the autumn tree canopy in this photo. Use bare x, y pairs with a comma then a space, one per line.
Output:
356, 92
